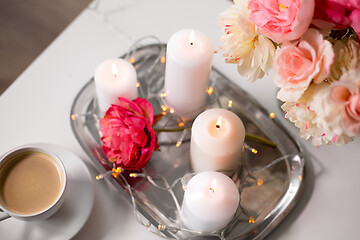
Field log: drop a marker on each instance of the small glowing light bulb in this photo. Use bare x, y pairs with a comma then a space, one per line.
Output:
161, 227
116, 171
100, 176
164, 108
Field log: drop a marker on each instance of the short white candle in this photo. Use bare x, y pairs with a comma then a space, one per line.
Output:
114, 78
216, 145
188, 64
210, 202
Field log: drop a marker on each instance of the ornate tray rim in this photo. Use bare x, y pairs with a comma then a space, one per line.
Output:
277, 214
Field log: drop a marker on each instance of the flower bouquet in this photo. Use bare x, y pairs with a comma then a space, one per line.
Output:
313, 47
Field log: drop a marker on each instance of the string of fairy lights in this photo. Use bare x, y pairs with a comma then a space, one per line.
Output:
176, 227
168, 113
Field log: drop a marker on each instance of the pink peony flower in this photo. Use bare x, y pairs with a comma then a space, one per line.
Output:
354, 3
354, 17
331, 14
127, 136
282, 20
297, 65
337, 14
347, 93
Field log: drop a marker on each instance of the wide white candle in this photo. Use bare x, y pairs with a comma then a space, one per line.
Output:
188, 64
210, 202
217, 138
114, 78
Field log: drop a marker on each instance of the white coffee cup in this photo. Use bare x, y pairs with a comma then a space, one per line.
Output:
32, 183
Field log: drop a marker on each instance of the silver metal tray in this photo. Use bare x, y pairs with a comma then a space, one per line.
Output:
270, 182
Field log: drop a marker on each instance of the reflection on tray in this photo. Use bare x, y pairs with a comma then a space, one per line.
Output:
270, 181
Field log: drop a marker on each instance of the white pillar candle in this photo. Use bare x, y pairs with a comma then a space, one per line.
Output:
217, 138
188, 64
114, 78
210, 202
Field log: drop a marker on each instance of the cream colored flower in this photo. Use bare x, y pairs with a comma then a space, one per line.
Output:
346, 93
347, 57
251, 51
317, 116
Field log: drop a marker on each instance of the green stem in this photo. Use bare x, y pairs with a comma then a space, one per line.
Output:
259, 139
179, 129
248, 136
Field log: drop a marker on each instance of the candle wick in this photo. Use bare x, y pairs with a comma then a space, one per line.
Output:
191, 43
212, 189
217, 126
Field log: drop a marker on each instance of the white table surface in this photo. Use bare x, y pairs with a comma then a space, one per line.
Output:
35, 108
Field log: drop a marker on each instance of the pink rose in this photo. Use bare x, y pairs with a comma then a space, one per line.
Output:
282, 20
127, 136
298, 64
347, 93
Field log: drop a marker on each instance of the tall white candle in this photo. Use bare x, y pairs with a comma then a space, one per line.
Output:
210, 202
217, 138
114, 78
188, 64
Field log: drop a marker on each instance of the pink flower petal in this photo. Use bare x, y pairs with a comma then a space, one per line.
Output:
331, 14
146, 109
355, 21
127, 136
281, 20
340, 94
299, 64
129, 105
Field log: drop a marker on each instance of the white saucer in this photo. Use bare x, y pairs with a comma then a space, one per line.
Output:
72, 215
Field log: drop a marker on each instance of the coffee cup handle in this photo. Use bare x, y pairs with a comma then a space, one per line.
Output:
3, 215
